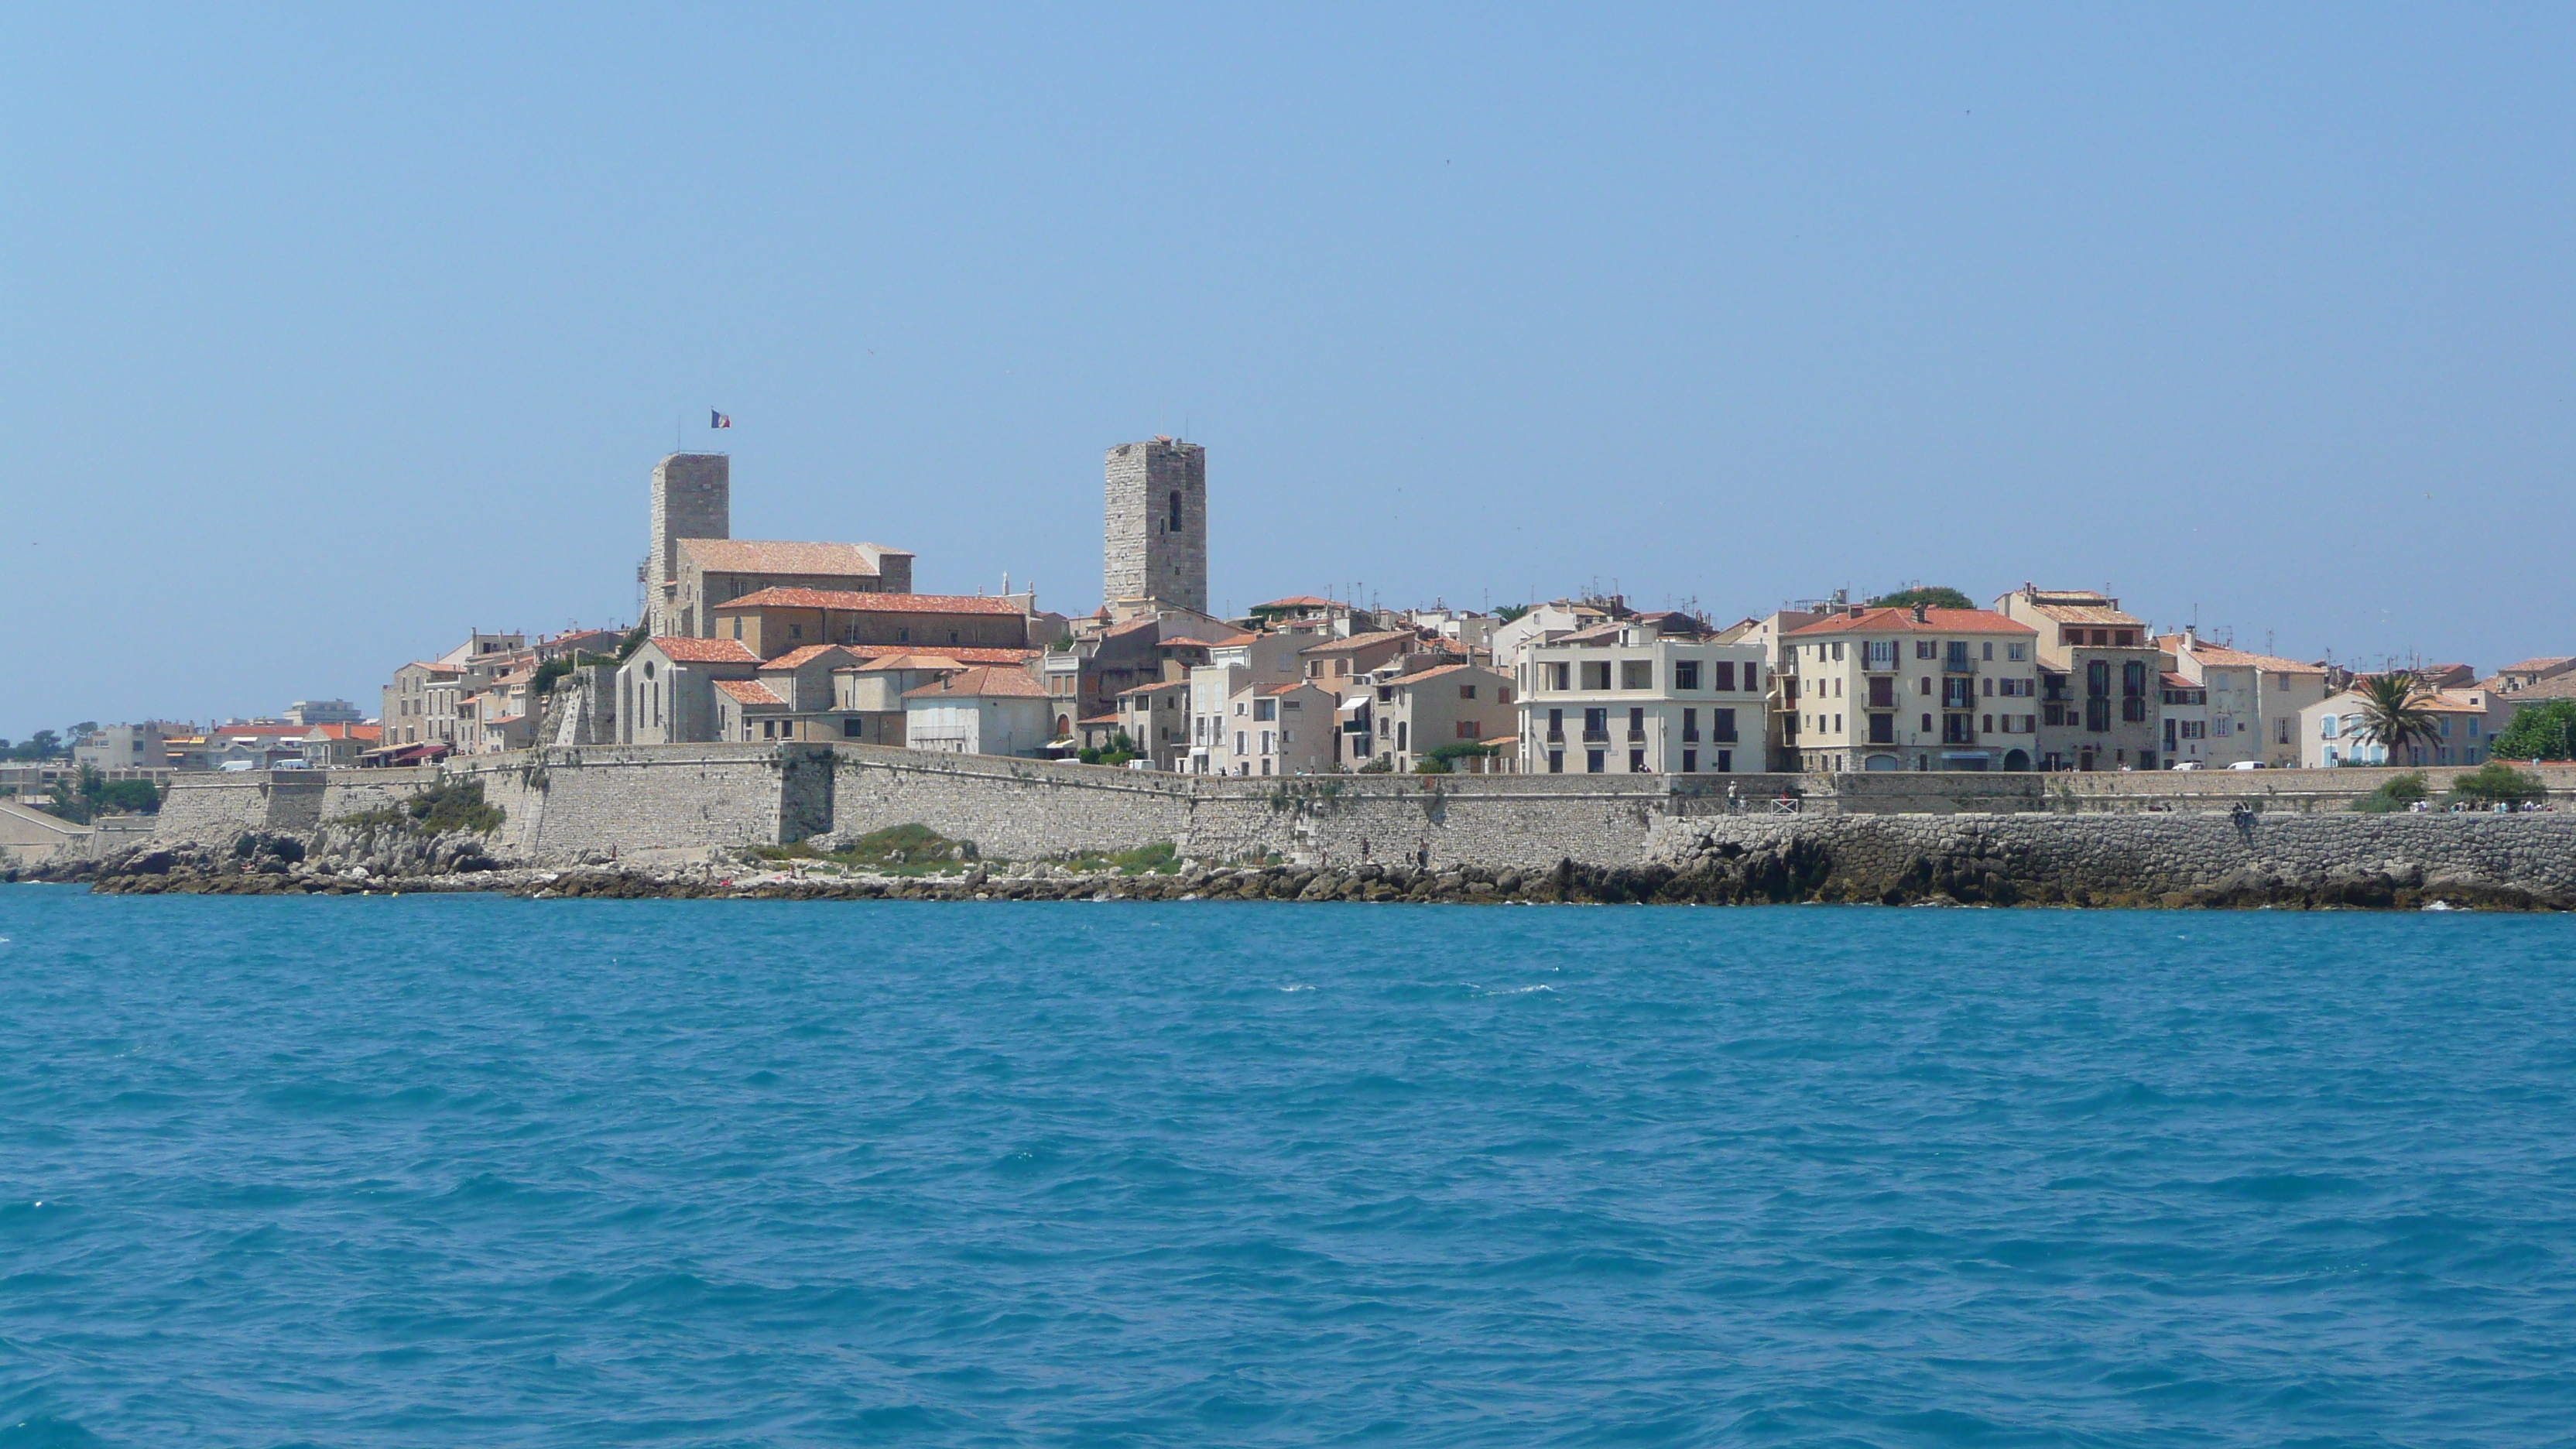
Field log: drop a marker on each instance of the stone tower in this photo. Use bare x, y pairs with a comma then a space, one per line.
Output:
1155, 542
692, 498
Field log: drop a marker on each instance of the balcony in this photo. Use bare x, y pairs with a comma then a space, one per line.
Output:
1596, 737
1556, 737
1872, 665
1636, 736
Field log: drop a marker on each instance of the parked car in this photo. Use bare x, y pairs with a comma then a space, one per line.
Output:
2247, 765
2185, 765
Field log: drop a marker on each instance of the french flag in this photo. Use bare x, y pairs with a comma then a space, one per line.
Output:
718, 420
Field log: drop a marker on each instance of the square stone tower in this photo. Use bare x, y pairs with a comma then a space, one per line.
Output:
692, 498
1155, 541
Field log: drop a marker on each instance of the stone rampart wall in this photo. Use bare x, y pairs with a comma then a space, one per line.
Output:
2146, 858
568, 804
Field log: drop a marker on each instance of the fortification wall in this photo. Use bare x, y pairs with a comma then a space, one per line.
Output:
609, 801
2151, 857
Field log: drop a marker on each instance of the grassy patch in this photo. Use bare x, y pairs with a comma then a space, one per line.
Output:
895, 850
1159, 858
448, 805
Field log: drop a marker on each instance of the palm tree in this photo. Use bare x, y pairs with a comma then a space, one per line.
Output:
2393, 713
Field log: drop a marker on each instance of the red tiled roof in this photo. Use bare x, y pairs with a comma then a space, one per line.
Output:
851, 601
1297, 601
1358, 641
2534, 666
1901, 621
800, 657
1433, 672
751, 692
1099, 719
987, 681
1230, 639
684, 650
769, 556
2226, 658
348, 731
962, 656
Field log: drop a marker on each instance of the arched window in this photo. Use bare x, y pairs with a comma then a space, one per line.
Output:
1176, 510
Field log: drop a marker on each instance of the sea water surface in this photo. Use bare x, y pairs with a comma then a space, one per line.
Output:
463, 1170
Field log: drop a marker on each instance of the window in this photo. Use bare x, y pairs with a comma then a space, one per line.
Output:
1927, 724
1722, 675
1882, 729
1265, 709
737, 626
1636, 762
1596, 674
1956, 657
1685, 674
2097, 714
1469, 729
1989, 724
1721, 726
1879, 654
1556, 724
797, 631
1959, 693
1838, 651
1882, 692
1592, 762
1556, 762
1990, 651
854, 729
1637, 674
1596, 724
1990, 689
1466, 691
1690, 724
1266, 738
1239, 743
1176, 511
1636, 724
1690, 762
1925, 684
2285, 731
1556, 675
2016, 652
1923, 649
2097, 679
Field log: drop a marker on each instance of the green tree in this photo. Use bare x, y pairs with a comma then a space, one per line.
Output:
1509, 612
2541, 732
2496, 782
1935, 597
2394, 714
2395, 794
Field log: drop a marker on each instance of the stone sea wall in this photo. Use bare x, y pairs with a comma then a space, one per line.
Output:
2187, 836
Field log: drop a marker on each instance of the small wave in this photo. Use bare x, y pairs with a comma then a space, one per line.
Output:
1521, 990
1297, 987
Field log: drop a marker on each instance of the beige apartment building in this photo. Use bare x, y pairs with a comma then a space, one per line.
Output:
1277, 729
2101, 691
2331, 731
1640, 696
2253, 701
1910, 689
1156, 720
1403, 718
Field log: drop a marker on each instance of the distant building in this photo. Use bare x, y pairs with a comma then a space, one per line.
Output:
323, 711
1155, 544
2331, 731
2252, 701
144, 746
2100, 680
1657, 695
666, 689
1910, 689
983, 710
694, 562
1411, 715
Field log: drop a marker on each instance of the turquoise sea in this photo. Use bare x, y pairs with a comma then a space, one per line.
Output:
463, 1170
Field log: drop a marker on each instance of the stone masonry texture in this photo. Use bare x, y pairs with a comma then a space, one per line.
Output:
1143, 555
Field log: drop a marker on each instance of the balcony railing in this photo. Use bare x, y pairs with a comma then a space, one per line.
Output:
1596, 737
1636, 736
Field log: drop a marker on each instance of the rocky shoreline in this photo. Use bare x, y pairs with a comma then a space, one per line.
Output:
1951, 861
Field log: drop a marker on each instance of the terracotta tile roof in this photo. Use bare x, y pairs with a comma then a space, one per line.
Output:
896, 663
1358, 641
2562, 687
1433, 672
1151, 688
988, 681
769, 556
261, 727
2540, 665
1298, 601
2178, 681
1226, 642
1131, 626
2226, 658
852, 601
2080, 606
751, 692
1289, 688
1103, 720
1901, 621
347, 732
800, 657
681, 649
961, 656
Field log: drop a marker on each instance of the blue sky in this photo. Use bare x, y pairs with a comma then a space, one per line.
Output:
332, 334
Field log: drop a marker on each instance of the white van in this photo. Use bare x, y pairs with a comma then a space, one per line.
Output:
2246, 765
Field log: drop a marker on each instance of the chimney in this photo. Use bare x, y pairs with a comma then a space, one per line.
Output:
1919, 614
